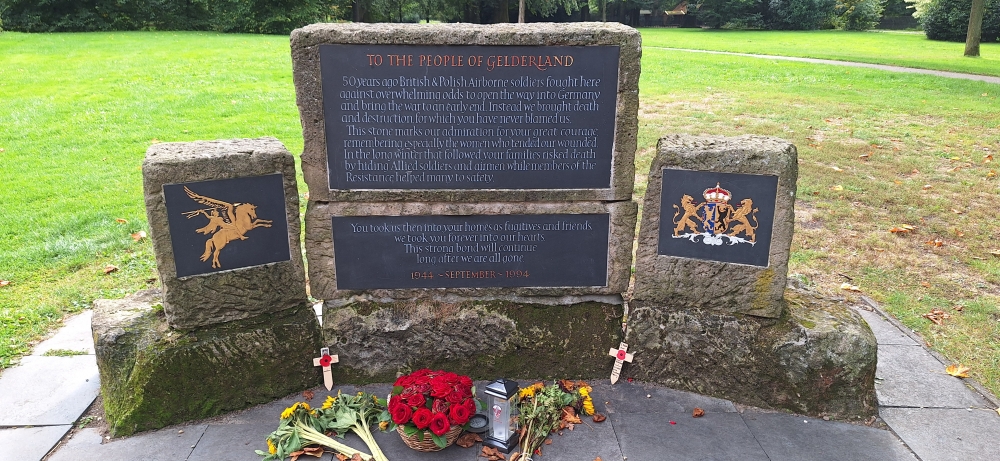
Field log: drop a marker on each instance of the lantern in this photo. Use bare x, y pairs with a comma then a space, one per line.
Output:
502, 405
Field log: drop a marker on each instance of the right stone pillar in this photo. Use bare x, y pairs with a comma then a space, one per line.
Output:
712, 310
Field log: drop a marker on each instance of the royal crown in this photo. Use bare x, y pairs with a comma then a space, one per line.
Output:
717, 194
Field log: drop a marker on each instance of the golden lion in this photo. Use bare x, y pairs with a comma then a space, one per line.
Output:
690, 211
743, 224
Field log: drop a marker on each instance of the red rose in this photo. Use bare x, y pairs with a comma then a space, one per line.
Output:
440, 389
401, 414
394, 402
404, 381
440, 406
459, 414
416, 400
455, 396
422, 418
439, 424
465, 382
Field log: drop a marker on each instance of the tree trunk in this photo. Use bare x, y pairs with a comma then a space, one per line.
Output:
604, 10
501, 14
975, 28
520, 12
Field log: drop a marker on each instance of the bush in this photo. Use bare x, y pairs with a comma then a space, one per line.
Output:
253, 16
799, 14
949, 20
859, 14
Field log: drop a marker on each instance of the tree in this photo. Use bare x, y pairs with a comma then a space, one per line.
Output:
975, 28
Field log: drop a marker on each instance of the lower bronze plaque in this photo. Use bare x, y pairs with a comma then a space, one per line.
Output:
536, 250
227, 223
717, 216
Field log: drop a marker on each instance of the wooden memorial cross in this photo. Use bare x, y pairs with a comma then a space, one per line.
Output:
325, 360
621, 355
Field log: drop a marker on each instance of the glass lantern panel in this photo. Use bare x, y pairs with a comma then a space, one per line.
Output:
512, 420
500, 409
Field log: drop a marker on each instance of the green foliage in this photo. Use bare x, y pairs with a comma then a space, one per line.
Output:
949, 20
858, 14
799, 14
718, 13
253, 16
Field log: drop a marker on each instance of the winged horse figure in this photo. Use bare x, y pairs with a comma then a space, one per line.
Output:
226, 222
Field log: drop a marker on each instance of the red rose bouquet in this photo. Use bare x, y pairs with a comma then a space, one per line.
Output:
432, 402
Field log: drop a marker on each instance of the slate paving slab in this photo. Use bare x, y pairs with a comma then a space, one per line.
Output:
625, 397
48, 390
937, 434
29, 443
163, 445
236, 442
74, 335
909, 376
715, 436
885, 332
795, 438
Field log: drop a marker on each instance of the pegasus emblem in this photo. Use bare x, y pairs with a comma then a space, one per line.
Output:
226, 222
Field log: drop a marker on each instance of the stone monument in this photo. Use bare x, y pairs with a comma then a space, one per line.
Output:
469, 193
712, 310
224, 221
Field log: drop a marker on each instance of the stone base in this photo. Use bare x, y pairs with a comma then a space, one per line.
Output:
483, 339
153, 376
817, 359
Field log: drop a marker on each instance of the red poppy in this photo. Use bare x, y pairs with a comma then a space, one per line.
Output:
439, 424
422, 418
326, 360
401, 414
459, 414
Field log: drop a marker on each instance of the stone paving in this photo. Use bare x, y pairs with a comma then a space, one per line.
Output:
931, 416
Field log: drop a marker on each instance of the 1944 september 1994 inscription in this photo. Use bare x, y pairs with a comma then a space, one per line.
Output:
541, 250
469, 117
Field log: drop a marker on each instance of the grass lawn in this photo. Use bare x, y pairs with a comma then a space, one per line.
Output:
893, 48
877, 150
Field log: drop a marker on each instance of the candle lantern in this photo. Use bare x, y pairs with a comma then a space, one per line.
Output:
502, 395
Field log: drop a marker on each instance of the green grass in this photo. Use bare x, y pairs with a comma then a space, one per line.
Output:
79, 110
77, 114
898, 49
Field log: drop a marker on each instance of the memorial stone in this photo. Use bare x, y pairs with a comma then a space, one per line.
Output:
224, 219
463, 177
713, 312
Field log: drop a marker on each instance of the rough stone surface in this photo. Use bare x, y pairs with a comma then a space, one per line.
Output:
309, 96
322, 261
683, 283
152, 375
817, 359
209, 299
481, 339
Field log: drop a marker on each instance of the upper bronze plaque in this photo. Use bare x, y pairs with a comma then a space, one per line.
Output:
469, 117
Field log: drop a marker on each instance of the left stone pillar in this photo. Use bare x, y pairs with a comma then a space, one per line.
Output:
232, 327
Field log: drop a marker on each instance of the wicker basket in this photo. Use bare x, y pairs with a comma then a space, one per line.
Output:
428, 444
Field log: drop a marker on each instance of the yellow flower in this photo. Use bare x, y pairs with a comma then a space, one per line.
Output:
271, 448
329, 402
305, 406
528, 392
383, 425
584, 392
289, 411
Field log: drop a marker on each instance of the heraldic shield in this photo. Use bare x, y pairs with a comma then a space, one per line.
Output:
724, 217
227, 223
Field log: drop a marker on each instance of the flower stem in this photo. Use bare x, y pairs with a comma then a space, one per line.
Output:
311, 435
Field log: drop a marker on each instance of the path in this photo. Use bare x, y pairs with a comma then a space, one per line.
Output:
909, 70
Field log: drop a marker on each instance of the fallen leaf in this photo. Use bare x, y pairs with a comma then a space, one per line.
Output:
698, 413
308, 395
991, 174
341, 457
492, 454
599, 458
837, 188
935, 242
154, 141
958, 370
4, 283
927, 186
137, 236
915, 171
955, 159
313, 451
673, 423
109, 269
958, 308
925, 284
468, 439
569, 415
837, 168
548, 441
937, 316
956, 211
599, 418
847, 286
357, 457
903, 229
987, 158
864, 156
121, 221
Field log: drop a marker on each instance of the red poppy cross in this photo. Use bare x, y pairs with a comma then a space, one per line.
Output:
621, 355
325, 360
